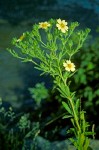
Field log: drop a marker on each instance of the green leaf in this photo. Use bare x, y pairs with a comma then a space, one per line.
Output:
65, 89
67, 116
77, 105
82, 139
67, 107
73, 94
26, 60
86, 146
74, 142
89, 133
62, 93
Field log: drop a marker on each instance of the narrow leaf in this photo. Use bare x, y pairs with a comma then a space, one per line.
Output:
77, 105
67, 116
67, 107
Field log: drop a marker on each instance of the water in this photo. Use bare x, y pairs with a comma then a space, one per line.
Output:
15, 76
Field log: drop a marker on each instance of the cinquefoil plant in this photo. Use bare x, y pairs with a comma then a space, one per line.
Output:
50, 46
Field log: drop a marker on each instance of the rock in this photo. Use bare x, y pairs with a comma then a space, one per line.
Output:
43, 144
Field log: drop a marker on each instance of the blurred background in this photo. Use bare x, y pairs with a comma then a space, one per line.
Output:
18, 16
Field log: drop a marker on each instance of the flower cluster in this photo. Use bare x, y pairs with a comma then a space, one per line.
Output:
61, 25
69, 66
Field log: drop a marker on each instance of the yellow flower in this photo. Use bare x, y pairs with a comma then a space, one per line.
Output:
44, 25
69, 66
62, 25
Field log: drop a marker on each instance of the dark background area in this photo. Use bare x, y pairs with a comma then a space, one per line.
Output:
84, 11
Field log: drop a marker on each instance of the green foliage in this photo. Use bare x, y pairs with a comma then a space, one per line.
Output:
24, 123
50, 54
87, 77
13, 135
39, 92
51, 46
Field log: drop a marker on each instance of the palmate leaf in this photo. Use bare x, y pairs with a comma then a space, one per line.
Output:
67, 107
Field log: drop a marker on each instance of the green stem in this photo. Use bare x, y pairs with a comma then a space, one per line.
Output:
34, 63
53, 120
60, 72
75, 115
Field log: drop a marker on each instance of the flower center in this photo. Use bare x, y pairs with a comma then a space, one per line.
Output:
62, 25
44, 25
69, 66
